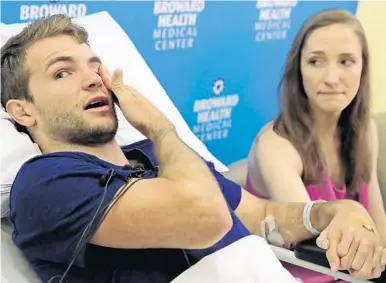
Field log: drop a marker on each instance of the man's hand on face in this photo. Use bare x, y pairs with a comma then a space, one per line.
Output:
353, 244
138, 111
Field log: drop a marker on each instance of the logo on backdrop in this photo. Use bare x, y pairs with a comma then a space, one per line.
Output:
218, 86
34, 12
176, 24
274, 19
214, 114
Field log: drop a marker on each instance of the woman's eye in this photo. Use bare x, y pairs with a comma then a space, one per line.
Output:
315, 62
348, 62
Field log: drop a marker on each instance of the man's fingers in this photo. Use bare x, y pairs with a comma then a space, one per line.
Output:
368, 265
105, 75
345, 243
362, 254
377, 259
383, 260
322, 241
117, 79
366, 270
332, 255
378, 268
346, 261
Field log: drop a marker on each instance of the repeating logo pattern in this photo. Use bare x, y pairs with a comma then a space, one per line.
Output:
214, 114
274, 19
176, 24
36, 11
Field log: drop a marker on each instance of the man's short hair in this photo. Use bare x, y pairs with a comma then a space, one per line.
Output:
14, 71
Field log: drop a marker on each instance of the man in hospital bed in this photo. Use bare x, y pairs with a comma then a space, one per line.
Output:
88, 210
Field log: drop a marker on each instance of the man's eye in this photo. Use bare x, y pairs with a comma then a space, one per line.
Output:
61, 75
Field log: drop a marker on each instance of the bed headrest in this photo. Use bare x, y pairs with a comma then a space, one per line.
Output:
116, 49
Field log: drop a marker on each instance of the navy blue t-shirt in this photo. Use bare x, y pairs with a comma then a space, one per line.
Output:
55, 196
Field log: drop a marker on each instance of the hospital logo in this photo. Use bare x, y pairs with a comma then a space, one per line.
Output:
214, 114
218, 86
274, 19
176, 24
33, 12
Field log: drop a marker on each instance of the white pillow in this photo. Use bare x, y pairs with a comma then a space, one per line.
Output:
111, 43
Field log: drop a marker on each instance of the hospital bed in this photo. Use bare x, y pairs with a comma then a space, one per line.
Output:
16, 147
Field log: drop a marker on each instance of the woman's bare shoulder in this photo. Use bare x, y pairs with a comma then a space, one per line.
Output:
269, 145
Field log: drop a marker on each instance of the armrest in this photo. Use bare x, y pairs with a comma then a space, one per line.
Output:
308, 251
289, 256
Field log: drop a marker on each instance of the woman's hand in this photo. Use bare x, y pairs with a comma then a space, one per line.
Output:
353, 243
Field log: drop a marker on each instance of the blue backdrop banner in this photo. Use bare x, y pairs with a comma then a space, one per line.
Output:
219, 61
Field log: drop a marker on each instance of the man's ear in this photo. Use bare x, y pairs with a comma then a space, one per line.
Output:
21, 112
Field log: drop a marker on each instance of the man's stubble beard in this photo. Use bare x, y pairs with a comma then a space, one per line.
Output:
73, 129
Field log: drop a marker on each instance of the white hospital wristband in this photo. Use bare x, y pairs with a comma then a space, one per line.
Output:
307, 217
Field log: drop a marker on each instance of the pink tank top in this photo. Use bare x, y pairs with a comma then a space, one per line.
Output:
325, 191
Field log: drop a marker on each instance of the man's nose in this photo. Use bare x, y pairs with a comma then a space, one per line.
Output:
91, 79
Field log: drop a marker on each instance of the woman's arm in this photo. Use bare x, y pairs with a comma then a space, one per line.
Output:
280, 167
376, 209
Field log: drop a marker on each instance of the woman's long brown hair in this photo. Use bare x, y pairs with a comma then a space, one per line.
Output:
295, 121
